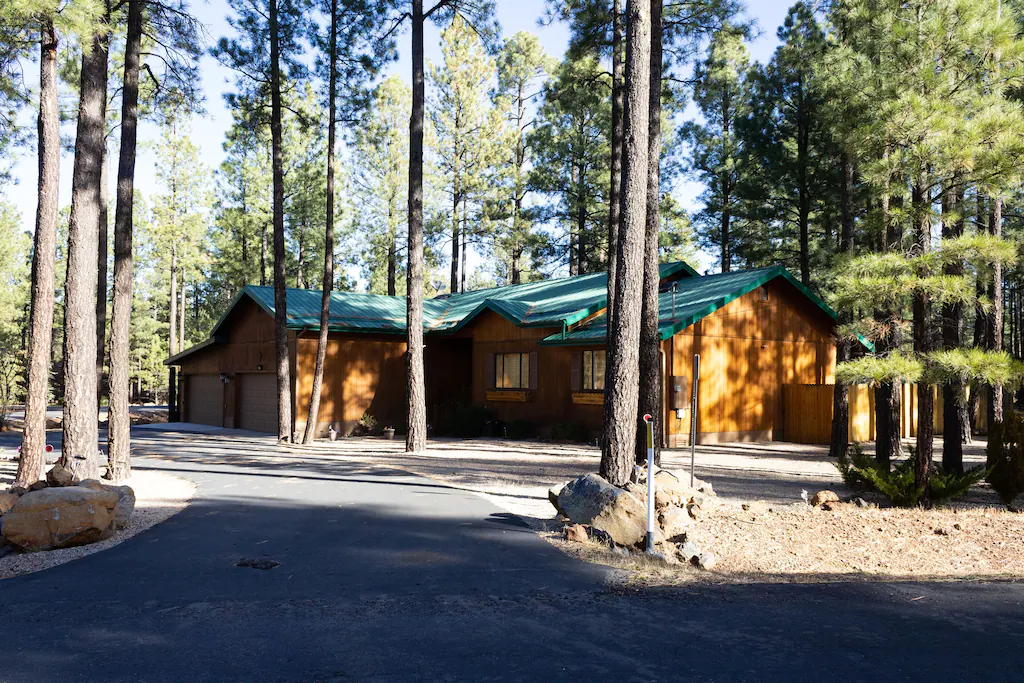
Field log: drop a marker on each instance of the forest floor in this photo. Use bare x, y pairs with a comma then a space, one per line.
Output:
759, 526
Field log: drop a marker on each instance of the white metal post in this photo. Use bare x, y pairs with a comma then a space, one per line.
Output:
649, 421
693, 414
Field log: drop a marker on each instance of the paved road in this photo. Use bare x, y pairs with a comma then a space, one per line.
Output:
389, 577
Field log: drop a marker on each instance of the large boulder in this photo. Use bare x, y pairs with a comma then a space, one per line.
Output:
675, 522
60, 476
125, 500
7, 501
592, 500
60, 517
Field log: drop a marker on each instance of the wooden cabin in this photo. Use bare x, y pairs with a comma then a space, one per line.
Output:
532, 354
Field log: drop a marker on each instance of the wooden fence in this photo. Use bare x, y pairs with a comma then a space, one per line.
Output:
807, 412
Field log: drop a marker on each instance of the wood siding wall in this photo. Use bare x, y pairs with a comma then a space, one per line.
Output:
551, 402
363, 374
808, 412
749, 349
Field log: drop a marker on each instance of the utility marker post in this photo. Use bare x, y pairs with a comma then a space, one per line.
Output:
649, 421
693, 414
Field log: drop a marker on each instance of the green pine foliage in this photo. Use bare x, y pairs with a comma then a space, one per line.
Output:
862, 472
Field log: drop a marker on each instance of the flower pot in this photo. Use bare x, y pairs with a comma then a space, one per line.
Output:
389, 434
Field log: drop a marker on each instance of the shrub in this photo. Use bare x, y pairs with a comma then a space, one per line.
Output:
368, 422
467, 423
521, 429
570, 431
862, 471
1005, 458
852, 464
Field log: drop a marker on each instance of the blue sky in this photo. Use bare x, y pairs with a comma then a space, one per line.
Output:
208, 131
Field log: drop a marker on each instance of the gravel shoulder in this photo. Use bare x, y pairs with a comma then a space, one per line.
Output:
158, 496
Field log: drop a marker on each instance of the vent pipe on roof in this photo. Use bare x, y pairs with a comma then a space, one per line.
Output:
674, 285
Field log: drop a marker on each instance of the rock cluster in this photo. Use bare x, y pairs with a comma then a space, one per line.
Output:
63, 512
595, 509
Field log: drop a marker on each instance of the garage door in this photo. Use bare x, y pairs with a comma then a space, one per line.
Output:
204, 399
257, 402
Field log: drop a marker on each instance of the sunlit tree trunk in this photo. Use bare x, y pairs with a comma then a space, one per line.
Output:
119, 421
416, 413
40, 334
614, 200
622, 385
80, 445
650, 344
325, 301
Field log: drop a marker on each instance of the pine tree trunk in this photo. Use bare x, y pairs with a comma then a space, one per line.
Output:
804, 210
263, 255
173, 316
622, 384
465, 247
925, 396
888, 394
980, 315
614, 200
650, 343
456, 240
81, 447
392, 252
996, 330
416, 413
840, 440
33, 441
119, 421
182, 344
101, 282
284, 403
325, 301
954, 393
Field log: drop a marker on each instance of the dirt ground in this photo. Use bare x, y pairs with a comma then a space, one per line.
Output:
777, 537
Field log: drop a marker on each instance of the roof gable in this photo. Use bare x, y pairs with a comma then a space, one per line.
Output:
695, 299
546, 303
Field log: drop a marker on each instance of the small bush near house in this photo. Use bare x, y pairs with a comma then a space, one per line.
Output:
570, 431
1005, 458
467, 423
521, 429
861, 471
368, 422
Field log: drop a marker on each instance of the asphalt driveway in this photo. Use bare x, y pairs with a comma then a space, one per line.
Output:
385, 576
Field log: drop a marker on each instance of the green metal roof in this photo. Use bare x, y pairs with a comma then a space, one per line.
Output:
695, 298
350, 311
547, 303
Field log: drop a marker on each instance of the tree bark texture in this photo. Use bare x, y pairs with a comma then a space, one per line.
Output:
614, 190
416, 401
650, 343
101, 282
40, 336
119, 421
80, 446
954, 393
325, 301
925, 396
840, 440
996, 323
284, 403
622, 384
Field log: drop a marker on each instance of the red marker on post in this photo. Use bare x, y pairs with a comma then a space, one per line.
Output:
649, 422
